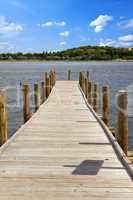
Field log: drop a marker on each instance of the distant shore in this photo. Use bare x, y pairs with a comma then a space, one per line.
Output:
15, 61
83, 53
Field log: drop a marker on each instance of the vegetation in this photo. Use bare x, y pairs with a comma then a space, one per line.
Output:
84, 53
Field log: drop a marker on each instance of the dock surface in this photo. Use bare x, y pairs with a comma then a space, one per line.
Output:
62, 153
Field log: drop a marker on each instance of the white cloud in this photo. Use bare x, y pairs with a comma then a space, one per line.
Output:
123, 41
25, 50
9, 28
30, 50
60, 23
100, 22
47, 24
62, 43
126, 24
5, 46
65, 33
107, 42
52, 23
129, 24
126, 38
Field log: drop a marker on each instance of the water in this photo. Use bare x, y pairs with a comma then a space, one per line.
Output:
118, 75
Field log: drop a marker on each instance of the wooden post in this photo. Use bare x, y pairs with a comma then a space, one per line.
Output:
43, 91
122, 120
3, 121
105, 106
26, 102
50, 82
54, 77
36, 96
69, 74
88, 75
81, 81
53, 73
86, 87
48, 86
83, 84
96, 98
46, 76
90, 93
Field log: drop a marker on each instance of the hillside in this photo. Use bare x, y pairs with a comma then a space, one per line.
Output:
83, 53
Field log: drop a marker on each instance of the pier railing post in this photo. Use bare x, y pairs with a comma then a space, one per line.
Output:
88, 75
80, 78
105, 105
54, 76
83, 83
122, 120
50, 81
3, 121
48, 86
43, 93
96, 98
36, 96
69, 74
86, 87
26, 102
89, 92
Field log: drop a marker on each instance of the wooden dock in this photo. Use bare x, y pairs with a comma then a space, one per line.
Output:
62, 153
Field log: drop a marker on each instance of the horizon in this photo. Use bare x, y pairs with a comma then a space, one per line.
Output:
61, 25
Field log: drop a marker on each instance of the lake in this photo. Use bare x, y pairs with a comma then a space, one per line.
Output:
118, 75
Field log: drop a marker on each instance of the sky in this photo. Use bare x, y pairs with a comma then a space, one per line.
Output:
53, 25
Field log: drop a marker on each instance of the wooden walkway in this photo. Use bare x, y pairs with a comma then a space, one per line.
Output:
62, 153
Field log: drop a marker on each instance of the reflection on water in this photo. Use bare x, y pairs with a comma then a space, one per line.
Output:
118, 75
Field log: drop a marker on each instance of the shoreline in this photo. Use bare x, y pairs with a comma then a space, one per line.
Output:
15, 61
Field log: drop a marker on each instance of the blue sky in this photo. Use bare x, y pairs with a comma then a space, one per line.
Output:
31, 25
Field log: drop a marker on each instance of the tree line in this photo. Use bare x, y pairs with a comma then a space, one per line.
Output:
84, 53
